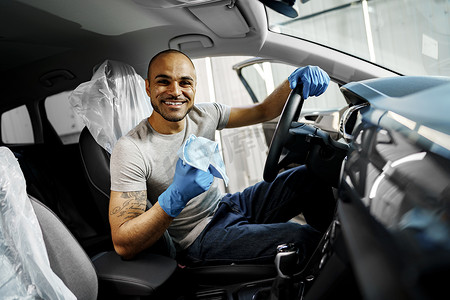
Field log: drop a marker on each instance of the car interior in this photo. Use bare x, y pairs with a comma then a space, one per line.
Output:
380, 136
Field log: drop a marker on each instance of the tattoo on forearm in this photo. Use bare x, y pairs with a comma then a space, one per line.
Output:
132, 207
141, 195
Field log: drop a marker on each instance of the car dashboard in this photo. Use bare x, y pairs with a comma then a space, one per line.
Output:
395, 187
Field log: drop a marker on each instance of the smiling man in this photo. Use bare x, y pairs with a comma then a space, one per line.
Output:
171, 88
206, 225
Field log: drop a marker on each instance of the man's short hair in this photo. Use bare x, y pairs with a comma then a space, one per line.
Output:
167, 51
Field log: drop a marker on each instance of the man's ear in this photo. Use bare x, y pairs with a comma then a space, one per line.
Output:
147, 87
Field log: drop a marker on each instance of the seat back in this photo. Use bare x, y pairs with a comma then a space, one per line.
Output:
96, 166
67, 259
110, 104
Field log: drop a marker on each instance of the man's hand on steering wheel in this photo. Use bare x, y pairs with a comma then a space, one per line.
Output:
315, 81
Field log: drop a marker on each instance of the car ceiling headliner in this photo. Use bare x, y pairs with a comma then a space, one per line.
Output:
41, 37
37, 37
30, 33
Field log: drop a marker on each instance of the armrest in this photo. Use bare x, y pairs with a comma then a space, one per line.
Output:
138, 277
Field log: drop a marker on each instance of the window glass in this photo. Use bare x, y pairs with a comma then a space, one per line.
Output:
410, 37
66, 122
16, 126
243, 149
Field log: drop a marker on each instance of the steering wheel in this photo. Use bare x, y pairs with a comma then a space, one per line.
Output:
291, 112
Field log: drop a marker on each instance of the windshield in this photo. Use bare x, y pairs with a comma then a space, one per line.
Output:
411, 37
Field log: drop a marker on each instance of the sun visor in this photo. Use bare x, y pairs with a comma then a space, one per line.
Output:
230, 24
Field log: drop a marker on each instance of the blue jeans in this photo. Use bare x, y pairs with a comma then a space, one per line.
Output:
248, 226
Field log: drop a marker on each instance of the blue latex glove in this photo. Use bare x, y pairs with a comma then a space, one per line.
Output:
188, 182
315, 80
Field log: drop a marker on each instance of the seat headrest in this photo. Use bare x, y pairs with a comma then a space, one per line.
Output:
112, 103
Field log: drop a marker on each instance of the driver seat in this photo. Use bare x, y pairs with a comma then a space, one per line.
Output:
96, 160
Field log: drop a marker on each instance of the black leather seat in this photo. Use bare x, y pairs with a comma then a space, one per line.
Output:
96, 165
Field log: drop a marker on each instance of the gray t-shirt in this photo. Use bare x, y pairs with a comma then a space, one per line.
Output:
145, 160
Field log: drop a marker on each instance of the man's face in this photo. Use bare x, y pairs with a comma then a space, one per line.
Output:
171, 86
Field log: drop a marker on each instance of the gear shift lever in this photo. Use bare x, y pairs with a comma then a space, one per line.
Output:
286, 262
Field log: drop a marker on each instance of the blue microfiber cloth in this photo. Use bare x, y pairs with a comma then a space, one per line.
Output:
203, 154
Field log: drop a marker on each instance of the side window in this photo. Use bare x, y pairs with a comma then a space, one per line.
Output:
262, 77
16, 126
243, 149
66, 122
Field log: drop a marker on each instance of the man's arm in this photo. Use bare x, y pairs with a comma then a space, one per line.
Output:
132, 228
315, 82
264, 111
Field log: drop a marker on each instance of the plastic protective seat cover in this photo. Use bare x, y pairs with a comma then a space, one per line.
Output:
112, 103
47, 264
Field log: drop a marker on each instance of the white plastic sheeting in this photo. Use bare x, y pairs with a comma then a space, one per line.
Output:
112, 103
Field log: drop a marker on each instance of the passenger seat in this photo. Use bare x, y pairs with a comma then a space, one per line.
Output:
22, 252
